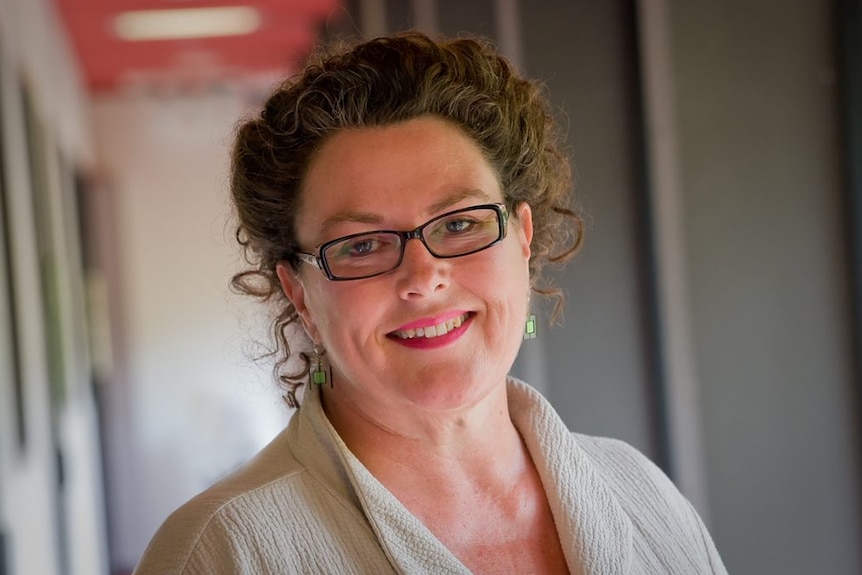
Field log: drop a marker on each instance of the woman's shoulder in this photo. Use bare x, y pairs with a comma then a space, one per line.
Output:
630, 474
616, 458
197, 537
280, 513
651, 501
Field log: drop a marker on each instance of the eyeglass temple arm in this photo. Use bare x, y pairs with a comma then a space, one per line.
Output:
309, 259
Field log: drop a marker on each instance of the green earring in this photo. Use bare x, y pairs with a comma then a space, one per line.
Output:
319, 374
530, 327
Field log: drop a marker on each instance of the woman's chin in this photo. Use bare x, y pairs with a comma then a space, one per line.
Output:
443, 397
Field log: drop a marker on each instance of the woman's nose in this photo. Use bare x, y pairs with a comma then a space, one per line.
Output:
420, 273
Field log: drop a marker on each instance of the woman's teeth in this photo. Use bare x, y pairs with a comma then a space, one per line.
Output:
432, 330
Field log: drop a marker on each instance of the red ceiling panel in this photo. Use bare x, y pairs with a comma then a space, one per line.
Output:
287, 33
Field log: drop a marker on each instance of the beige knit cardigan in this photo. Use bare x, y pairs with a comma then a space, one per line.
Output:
305, 504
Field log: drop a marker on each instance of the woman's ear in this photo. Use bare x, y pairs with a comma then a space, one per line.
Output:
525, 227
295, 292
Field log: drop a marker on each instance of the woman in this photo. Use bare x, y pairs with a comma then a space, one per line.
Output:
413, 451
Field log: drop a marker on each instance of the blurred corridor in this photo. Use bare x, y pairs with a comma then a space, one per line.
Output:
712, 318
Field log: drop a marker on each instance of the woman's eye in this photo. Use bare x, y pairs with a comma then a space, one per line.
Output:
459, 226
362, 247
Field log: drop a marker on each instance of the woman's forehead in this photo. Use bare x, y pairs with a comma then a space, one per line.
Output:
421, 166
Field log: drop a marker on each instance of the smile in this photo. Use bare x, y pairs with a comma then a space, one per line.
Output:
432, 331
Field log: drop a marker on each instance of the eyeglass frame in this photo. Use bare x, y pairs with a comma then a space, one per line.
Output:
320, 262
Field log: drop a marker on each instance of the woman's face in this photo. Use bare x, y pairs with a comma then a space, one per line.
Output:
396, 178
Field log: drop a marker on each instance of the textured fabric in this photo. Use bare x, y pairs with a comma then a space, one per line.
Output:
305, 504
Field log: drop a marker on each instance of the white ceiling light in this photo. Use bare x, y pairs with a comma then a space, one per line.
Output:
186, 23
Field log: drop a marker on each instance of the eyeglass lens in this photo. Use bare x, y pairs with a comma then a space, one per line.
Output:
450, 235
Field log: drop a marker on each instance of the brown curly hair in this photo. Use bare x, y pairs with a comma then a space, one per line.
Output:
385, 81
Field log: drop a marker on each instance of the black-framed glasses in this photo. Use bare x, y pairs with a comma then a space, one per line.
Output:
453, 234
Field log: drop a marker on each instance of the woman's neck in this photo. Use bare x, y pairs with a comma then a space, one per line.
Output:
467, 476
476, 446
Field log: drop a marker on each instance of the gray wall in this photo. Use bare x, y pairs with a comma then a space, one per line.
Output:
596, 361
758, 134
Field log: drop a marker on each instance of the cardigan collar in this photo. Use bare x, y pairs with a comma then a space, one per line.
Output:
594, 532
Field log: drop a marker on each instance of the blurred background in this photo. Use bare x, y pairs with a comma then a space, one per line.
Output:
713, 315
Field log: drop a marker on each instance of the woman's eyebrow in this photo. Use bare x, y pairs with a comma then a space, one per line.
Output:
457, 197
350, 216
372, 218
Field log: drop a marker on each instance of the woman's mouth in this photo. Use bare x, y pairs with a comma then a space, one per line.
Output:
432, 331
